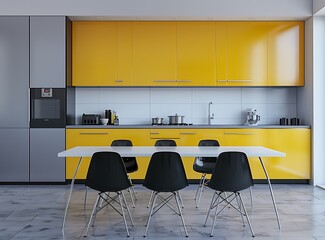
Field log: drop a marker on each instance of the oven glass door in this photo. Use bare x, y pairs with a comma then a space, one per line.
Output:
47, 111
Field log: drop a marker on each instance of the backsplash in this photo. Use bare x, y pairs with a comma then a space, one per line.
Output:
139, 105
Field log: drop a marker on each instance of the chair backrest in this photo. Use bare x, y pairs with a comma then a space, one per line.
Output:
209, 142
106, 173
129, 162
165, 172
122, 142
232, 173
165, 142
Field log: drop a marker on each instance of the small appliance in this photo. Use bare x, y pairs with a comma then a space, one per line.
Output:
91, 119
252, 118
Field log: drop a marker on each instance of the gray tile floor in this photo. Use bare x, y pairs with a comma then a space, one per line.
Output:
36, 212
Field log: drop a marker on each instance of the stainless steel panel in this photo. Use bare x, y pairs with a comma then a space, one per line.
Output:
47, 52
14, 72
14, 160
45, 166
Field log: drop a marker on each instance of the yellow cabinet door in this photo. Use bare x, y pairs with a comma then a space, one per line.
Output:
94, 53
124, 54
154, 53
139, 137
249, 137
221, 53
295, 143
286, 54
83, 137
247, 54
196, 54
192, 137
156, 134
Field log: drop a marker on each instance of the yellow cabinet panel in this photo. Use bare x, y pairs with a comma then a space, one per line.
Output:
196, 54
249, 137
296, 144
221, 53
124, 54
247, 54
83, 137
192, 137
286, 54
94, 53
154, 58
163, 134
139, 137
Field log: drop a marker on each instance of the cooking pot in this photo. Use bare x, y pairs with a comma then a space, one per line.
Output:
176, 119
157, 121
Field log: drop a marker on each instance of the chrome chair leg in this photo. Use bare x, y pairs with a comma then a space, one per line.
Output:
150, 213
85, 200
210, 207
180, 199
198, 187
122, 209
239, 207
251, 195
127, 208
249, 223
91, 216
180, 211
150, 199
215, 215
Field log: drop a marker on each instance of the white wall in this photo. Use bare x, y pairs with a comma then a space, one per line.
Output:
319, 100
139, 105
163, 9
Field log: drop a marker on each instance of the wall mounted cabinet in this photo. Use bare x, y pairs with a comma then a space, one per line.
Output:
47, 52
188, 53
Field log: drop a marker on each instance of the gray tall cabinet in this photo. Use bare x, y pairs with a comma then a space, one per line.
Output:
14, 99
47, 70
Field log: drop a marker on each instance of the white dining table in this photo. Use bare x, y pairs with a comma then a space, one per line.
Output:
184, 151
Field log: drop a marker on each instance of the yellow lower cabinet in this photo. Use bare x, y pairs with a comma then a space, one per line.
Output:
139, 137
296, 144
156, 134
83, 137
192, 137
249, 137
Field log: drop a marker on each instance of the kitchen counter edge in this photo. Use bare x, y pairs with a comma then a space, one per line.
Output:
185, 127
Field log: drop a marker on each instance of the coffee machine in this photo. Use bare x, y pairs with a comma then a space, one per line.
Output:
252, 118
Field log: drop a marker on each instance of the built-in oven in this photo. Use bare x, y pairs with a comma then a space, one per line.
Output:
48, 107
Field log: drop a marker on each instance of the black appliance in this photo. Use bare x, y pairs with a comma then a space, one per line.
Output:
48, 108
90, 119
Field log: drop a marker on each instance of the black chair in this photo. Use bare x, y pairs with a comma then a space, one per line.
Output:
106, 174
165, 174
231, 174
165, 142
130, 163
204, 165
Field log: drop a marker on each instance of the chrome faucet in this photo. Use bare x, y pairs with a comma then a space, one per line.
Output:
209, 113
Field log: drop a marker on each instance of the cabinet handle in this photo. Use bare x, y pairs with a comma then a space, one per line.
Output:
154, 133
238, 133
187, 133
184, 80
240, 80
94, 133
165, 80
119, 81
222, 80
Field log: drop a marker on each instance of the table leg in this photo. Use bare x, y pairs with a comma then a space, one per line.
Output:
71, 188
271, 192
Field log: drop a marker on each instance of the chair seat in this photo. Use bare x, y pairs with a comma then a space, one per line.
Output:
207, 167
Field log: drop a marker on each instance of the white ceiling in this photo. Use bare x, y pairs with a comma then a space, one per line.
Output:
163, 9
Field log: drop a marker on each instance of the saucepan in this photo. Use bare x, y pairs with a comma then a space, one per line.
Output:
176, 119
157, 121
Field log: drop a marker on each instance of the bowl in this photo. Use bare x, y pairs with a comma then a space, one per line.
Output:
104, 121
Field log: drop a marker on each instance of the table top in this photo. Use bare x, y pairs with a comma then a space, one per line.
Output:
188, 151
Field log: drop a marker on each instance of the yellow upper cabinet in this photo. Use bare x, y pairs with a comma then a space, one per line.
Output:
102, 53
286, 54
154, 53
221, 53
247, 54
196, 54
94, 53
